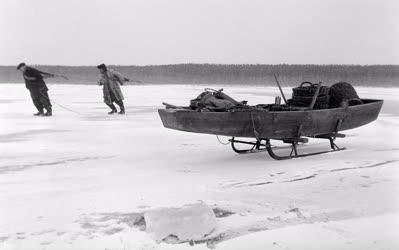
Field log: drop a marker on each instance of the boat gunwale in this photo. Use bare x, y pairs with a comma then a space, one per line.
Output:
369, 103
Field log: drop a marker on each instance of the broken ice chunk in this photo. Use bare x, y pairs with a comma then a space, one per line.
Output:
191, 222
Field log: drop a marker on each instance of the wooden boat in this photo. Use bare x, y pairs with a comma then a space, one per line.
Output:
289, 126
288, 123
271, 124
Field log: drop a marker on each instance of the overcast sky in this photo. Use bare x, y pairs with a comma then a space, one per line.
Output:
141, 32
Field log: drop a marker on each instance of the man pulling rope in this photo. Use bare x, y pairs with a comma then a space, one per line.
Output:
34, 82
111, 81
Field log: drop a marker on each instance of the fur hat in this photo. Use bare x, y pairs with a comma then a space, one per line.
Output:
102, 66
21, 65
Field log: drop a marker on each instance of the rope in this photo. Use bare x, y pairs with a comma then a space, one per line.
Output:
223, 143
62, 106
71, 110
66, 108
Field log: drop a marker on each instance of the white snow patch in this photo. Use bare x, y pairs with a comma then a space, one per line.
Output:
352, 234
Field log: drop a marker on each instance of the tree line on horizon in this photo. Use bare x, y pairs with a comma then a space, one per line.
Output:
244, 74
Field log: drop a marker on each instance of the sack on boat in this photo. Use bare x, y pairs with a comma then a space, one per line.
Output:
220, 95
214, 101
343, 94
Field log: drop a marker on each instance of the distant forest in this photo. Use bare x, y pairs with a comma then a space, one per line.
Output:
225, 74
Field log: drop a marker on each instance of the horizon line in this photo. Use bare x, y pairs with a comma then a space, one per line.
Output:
215, 64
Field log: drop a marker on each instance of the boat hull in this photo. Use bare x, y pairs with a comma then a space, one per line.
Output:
271, 124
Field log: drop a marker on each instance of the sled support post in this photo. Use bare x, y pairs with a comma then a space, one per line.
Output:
332, 136
337, 127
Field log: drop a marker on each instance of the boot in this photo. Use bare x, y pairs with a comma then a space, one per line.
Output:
121, 106
113, 109
49, 112
40, 113
122, 112
112, 112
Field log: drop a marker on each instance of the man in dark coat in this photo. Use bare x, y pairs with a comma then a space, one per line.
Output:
110, 79
37, 87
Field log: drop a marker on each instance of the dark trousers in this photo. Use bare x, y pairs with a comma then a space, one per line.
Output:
40, 99
113, 99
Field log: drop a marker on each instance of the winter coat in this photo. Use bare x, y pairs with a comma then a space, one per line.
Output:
110, 81
38, 82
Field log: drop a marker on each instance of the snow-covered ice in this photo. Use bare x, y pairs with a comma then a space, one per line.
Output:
85, 180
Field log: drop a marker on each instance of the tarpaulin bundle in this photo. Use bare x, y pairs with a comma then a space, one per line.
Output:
214, 101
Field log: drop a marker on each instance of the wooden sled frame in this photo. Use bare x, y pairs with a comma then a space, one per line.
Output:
258, 145
265, 145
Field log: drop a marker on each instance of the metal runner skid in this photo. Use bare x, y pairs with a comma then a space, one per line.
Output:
259, 145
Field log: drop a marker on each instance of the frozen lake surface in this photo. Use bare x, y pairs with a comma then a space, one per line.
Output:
83, 180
